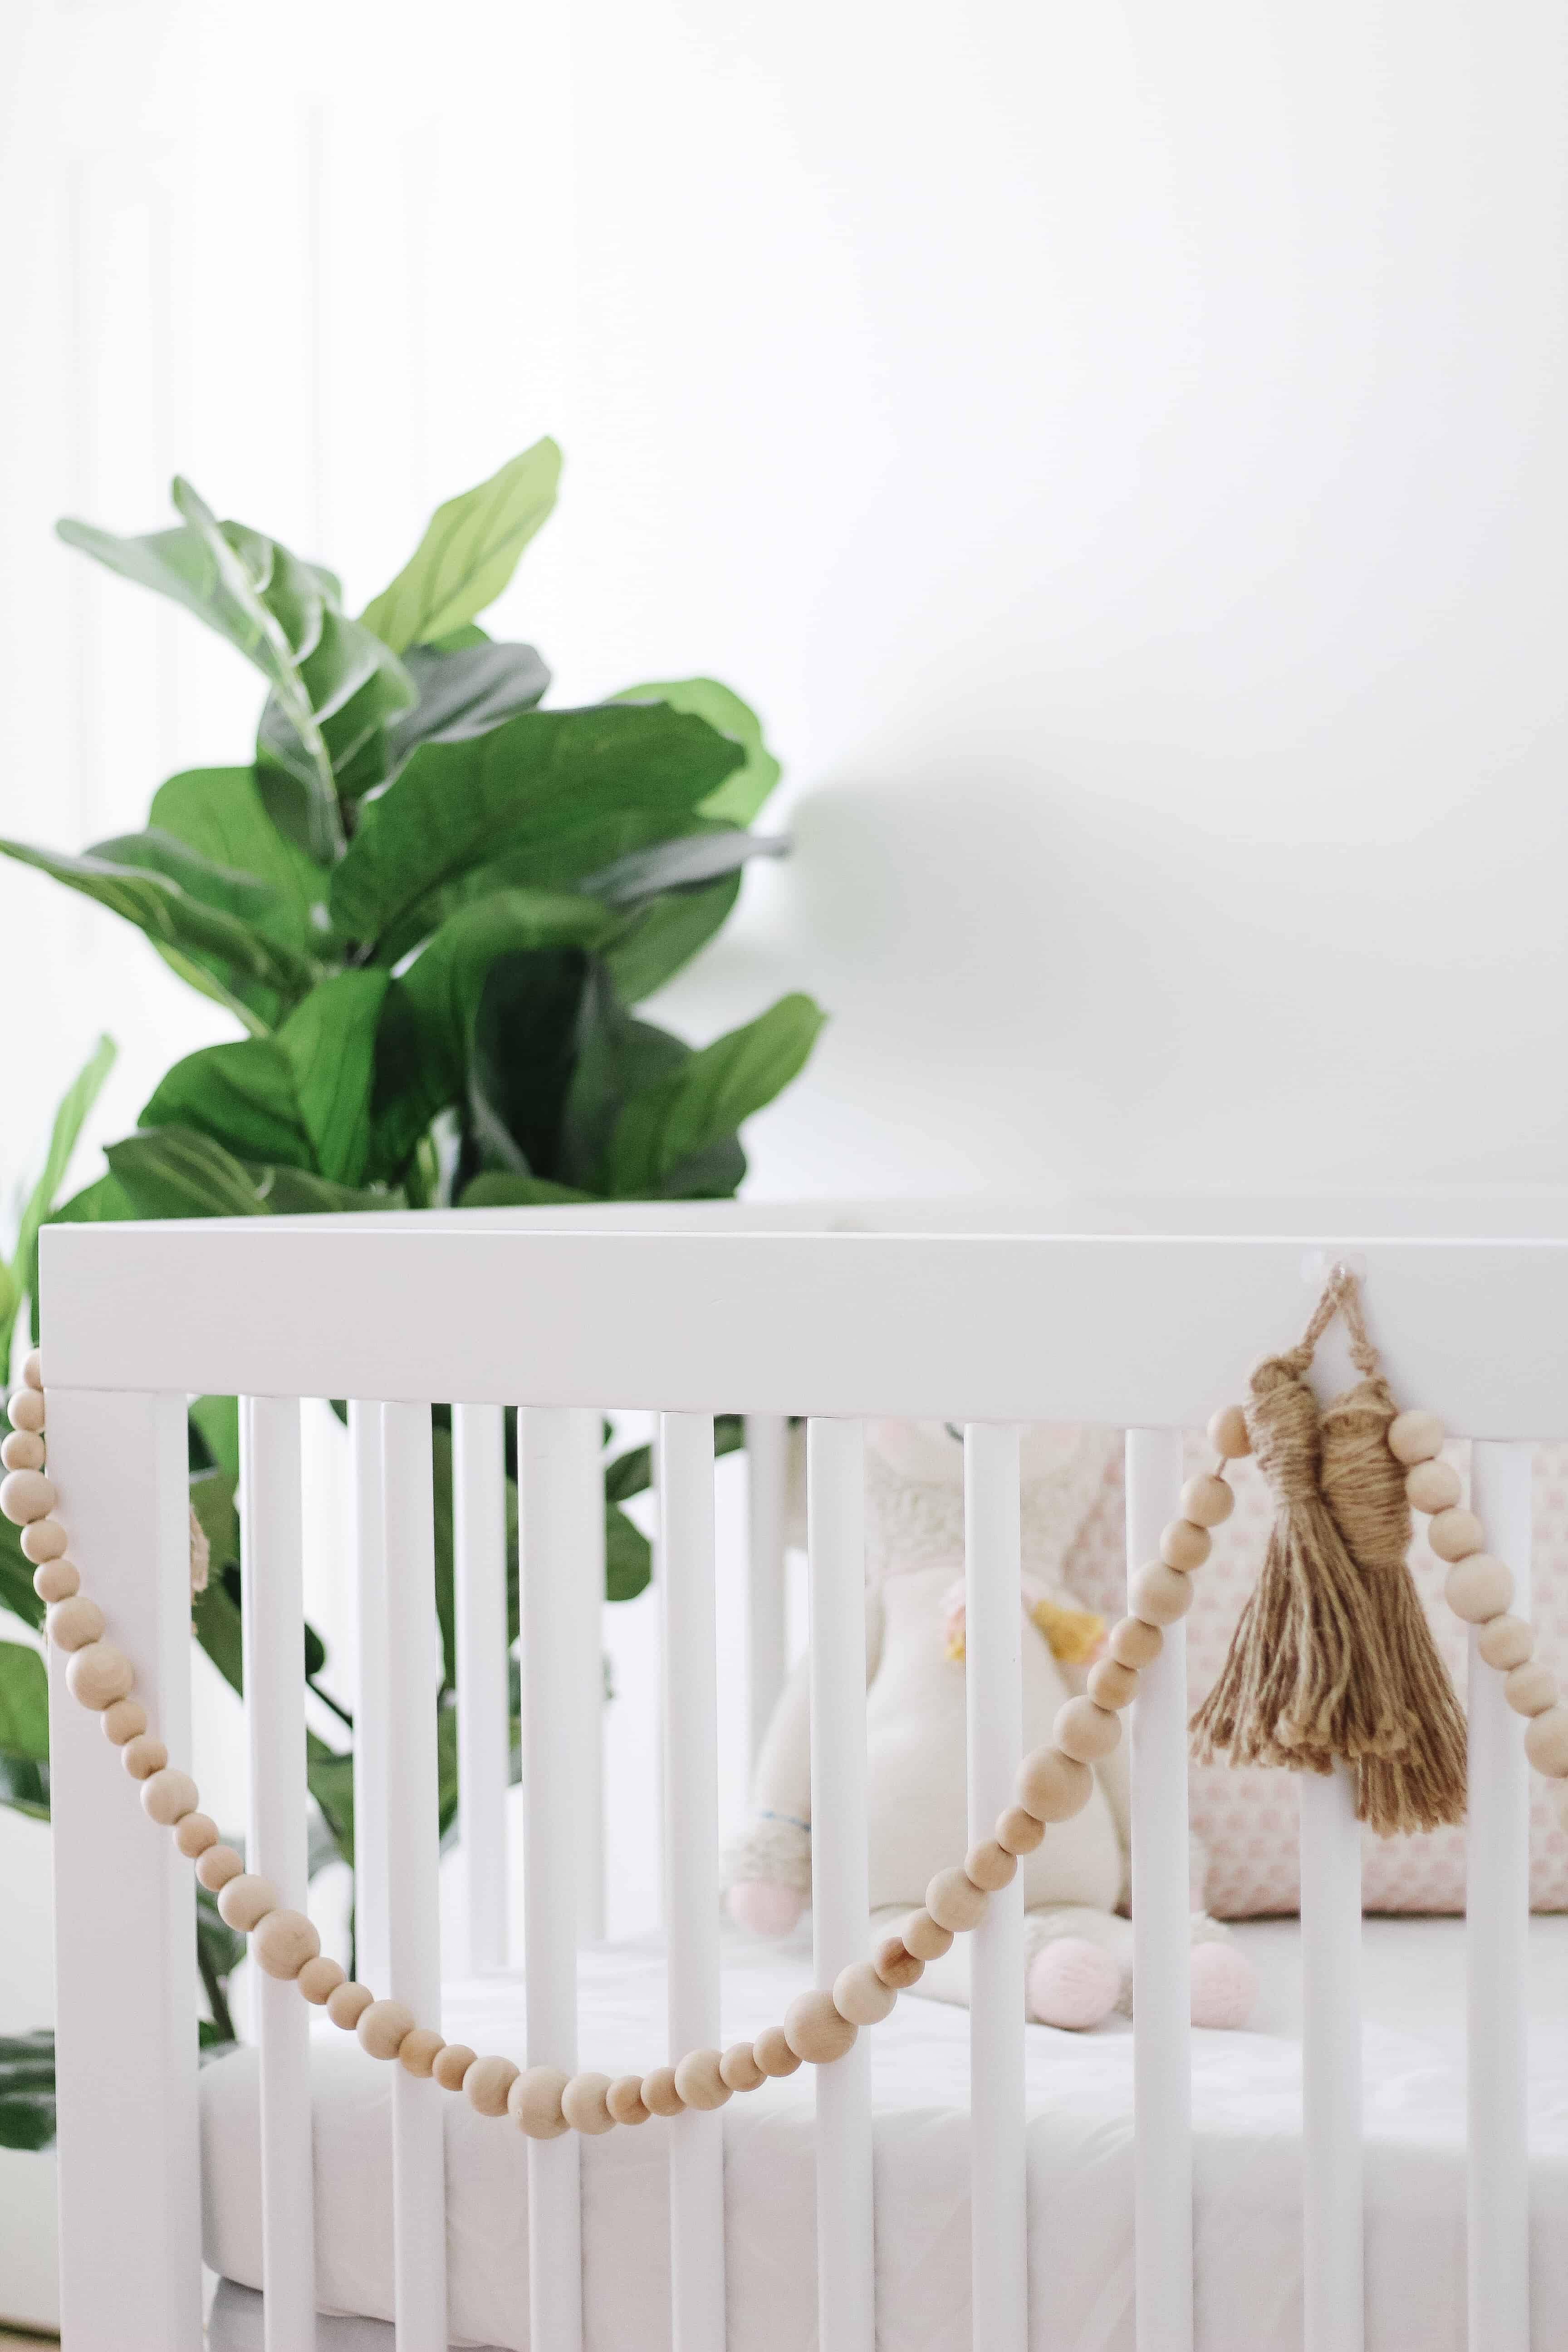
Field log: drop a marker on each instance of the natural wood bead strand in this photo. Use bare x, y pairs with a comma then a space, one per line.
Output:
896, 1965
452, 2064
1018, 1831
773, 2053
584, 2106
282, 1944
1454, 1535
534, 2102
1479, 1588
991, 1864
245, 1901
1184, 1545
125, 1721
43, 1541
21, 1450
1207, 1500
1112, 1685
1051, 1786
1415, 1437
383, 2026
1134, 1644
1506, 1642
1530, 1689
98, 1675
1227, 1433
859, 1994
816, 2031
195, 1834
1161, 1593
26, 1495
167, 1797
1546, 1742
488, 2084
660, 2096
348, 2004
57, 1580
1433, 1487
76, 1623
217, 1866
625, 2100
25, 1407
954, 1901
144, 1756
740, 2068
419, 2052
922, 1937
319, 1981
699, 2080
1086, 1732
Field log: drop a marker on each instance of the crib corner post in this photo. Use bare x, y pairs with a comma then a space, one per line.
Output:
125, 1963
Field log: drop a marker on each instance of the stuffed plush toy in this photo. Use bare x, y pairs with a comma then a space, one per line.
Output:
1078, 1941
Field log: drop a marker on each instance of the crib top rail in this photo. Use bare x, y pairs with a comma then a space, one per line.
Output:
727, 1307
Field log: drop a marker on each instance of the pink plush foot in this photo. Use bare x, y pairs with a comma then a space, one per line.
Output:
764, 1908
1072, 1984
1224, 1985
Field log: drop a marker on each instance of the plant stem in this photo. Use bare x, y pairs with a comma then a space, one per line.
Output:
218, 2000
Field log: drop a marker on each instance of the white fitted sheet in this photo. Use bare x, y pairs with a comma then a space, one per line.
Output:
1246, 2115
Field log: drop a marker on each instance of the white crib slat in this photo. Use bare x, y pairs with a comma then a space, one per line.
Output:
1162, 2054
835, 1507
484, 1710
273, 1620
1498, 1928
686, 1567
370, 1696
767, 1447
125, 1972
413, 1945
993, 1654
1331, 2063
588, 1589
549, 1462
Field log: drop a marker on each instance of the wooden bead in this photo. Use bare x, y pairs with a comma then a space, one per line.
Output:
700, 2080
773, 2053
1227, 1433
1086, 1732
382, 2029
1479, 1588
896, 1965
1184, 1545
659, 2095
1207, 1500
1134, 1644
453, 2062
488, 2084
625, 2099
923, 1937
740, 2068
1546, 1742
33, 1369
319, 1981
125, 1721
144, 1756
98, 1675
1018, 1831
1051, 1786
76, 1623
194, 1833
859, 1994
25, 1495
1161, 1594
25, 1407
44, 1540
1113, 1685
954, 1901
348, 2003
217, 1866
1415, 1437
1506, 1642
1531, 1689
167, 1797
813, 2028
990, 1864
584, 2105
245, 1902
1433, 1487
534, 2102
283, 1943
419, 2052
57, 1580
1455, 1535
21, 1451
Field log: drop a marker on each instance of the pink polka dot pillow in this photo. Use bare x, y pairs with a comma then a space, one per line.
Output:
1247, 1817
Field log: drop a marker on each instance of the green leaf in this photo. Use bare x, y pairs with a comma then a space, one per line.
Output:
744, 794
616, 1058
525, 1057
220, 813
216, 1419
228, 958
17, 1592
296, 1192
464, 692
331, 1780
24, 1704
495, 1191
28, 2090
469, 552
212, 1500
688, 862
668, 1125
459, 807
628, 1556
215, 1623
174, 1172
69, 1117
300, 1098
662, 937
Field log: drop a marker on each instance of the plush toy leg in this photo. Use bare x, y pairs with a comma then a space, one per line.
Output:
763, 1907
1224, 1980
1071, 1983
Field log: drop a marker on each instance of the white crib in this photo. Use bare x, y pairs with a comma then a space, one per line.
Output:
832, 1313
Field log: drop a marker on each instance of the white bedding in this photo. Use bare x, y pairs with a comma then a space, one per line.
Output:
1246, 2110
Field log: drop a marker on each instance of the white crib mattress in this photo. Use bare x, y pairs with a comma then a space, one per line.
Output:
1247, 2112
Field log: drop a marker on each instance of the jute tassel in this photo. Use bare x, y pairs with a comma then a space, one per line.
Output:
1333, 1659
